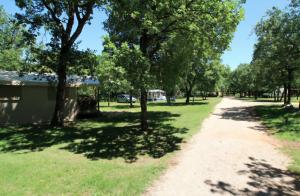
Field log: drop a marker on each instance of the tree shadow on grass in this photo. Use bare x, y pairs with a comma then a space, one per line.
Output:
282, 119
263, 180
112, 135
177, 103
259, 100
120, 106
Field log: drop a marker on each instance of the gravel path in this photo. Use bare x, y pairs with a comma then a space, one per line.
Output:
232, 155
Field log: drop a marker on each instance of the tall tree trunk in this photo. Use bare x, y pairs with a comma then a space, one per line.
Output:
289, 86
58, 115
143, 103
278, 94
130, 99
255, 95
108, 100
144, 44
188, 89
168, 99
188, 95
98, 99
289, 92
285, 94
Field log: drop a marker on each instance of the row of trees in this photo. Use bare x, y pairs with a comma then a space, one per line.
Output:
168, 44
276, 60
12, 42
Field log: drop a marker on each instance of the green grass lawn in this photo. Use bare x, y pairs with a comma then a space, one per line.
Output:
294, 100
104, 155
284, 124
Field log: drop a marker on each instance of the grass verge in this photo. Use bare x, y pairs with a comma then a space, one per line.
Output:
107, 155
284, 124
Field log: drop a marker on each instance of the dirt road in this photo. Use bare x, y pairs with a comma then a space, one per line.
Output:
231, 155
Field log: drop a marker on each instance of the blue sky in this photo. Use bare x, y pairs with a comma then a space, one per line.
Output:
241, 48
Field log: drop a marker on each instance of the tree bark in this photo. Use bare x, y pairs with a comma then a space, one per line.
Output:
98, 99
58, 115
189, 88
67, 40
188, 95
285, 94
278, 95
289, 86
255, 95
144, 44
130, 99
143, 103
108, 100
168, 99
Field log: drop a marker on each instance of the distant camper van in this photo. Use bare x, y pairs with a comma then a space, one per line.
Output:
156, 95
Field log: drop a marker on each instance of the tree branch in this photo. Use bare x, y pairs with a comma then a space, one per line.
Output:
77, 13
71, 19
53, 15
81, 23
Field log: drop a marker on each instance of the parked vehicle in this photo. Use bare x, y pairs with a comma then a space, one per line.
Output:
156, 95
125, 98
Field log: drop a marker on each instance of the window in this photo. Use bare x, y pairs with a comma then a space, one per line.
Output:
8, 92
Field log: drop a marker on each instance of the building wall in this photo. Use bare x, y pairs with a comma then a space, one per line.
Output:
33, 104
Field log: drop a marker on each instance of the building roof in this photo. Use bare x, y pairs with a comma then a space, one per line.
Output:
156, 91
36, 79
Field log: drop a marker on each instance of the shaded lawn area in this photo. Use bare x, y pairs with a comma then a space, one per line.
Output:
285, 124
104, 155
294, 100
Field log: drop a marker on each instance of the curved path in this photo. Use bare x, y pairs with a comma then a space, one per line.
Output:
232, 155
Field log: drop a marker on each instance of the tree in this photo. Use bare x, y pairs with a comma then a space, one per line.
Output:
242, 80
149, 24
64, 20
212, 78
130, 60
12, 42
278, 45
174, 56
202, 68
45, 59
112, 77
224, 83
